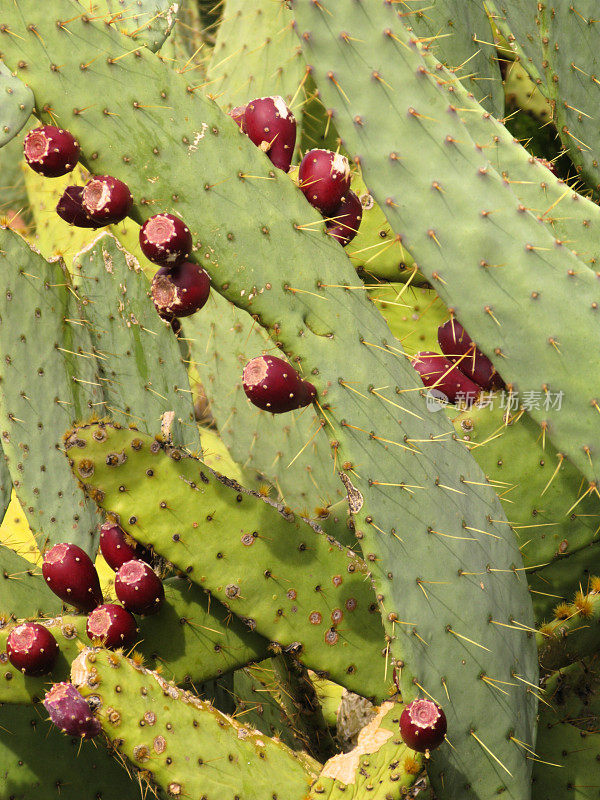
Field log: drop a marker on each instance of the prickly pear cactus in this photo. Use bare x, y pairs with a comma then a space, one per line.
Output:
402, 545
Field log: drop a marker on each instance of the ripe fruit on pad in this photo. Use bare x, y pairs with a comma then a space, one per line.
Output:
113, 625
272, 127
31, 648
180, 291
117, 547
324, 179
437, 372
70, 712
165, 239
272, 384
106, 199
237, 115
70, 208
458, 346
139, 588
423, 725
70, 574
51, 151
344, 222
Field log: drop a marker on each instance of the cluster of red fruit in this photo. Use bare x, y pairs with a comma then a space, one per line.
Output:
462, 372
324, 176
180, 287
70, 574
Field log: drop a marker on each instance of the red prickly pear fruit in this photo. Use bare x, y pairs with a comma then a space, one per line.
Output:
237, 115
423, 725
271, 125
181, 291
439, 373
139, 588
344, 222
113, 625
457, 346
106, 199
70, 574
32, 648
324, 179
117, 547
165, 240
51, 151
273, 385
69, 711
70, 208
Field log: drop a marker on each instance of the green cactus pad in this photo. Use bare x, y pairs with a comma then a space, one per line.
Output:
48, 381
566, 765
375, 251
13, 195
187, 747
16, 105
502, 273
340, 41
146, 22
414, 315
256, 54
257, 703
141, 368
558, 582
38, 762
540, 489
290, 450
574, 634
571, 217
23, 591
460, 36
558, 46
191, 639
5, 486
261, 242
297, 587
519, 22
381, 766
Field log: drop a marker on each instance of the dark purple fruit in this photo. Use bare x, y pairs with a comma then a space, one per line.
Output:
324, 178
70, 574
113, 625
106, 199
31, 648
70, 208
117, 547
237, 115
344, 222
439, 373
423, 725
458, 346
165, 239
272, 384
272, 127
181, 291
69, 711
51, 151
139, 588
